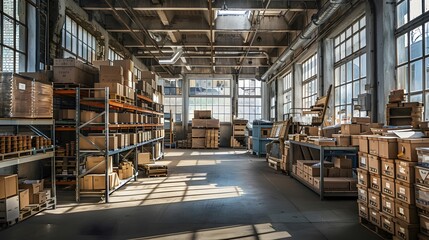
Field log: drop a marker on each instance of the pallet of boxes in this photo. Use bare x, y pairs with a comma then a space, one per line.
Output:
33, 198
205, 130
151, 169
238, 133
95, 179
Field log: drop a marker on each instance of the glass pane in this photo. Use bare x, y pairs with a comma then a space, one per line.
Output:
8, 8
427, 73
349, 71
337, 96
427, 104
7, 60
363, 65
416, 98
8, 31
426, 5
416, 76
337, 76
348, 47
416, 8
343, 73
402, 49
402, 78
363, 38
427, 35
356, 68
349, 93
401, 13
356, 89
416, 38
356, 42
343, 95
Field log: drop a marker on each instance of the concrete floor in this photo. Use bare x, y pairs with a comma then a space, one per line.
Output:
219, 194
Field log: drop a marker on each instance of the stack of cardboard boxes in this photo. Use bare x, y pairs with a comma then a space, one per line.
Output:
72, 71
96, 178
205, 130
9, 199
238, 130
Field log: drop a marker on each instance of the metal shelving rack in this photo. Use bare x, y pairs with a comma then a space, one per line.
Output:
34, 155
84, 99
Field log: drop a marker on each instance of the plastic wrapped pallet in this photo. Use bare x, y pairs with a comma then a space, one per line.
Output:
15, 94
43, 99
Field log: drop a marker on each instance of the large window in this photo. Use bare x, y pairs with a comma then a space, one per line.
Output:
77, 42
249, 99
13, 36
350, 70
412, 50
173, 98
211, 94
309, 82
287, 95
113, 55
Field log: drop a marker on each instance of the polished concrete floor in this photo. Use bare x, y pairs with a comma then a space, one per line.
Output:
219, 194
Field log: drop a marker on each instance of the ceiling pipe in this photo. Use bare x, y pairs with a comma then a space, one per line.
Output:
322, 16
177, 54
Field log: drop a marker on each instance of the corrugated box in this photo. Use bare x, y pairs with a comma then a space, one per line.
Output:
43, 100
404, 192
387, 223
422, 174
362, 194
126, 64
114, 88
375, 217
342, 162
34, 186
98, 141
202, 114
407, 148
8, 185
342, 140
405, 171
406, 212
363, 143
16, 96
374, 199
374, 164
198, 142
388, 186
99, 181
143, 158
38, 198
388, 205
387, 147
363, 177
363, 210
67, 114
92, 161
98, 63
363, 160
24, 198
373, 145
198, 132
375, 182
406, 231
350, 129
388, 167
87, 182
354, 140
111, 70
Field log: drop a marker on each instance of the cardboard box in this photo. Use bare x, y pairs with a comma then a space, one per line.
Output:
68, 114
114, 88
347, 173
406, 212
98, 141
92, 161
342, 140
405, 171
333, 172
363, 143
334, 184
342, 162
87, 182
373, 145
388, 186
350, 129
143, 158
111, 70
33, 186
198, 132
375, 217
86, 116
363, 160
374, 164
99, 181
362, 194
363, 177
126, 64
388, 205
314, 171
198, 143
421, 175
375, 182
38, 198
387, 147
407, 148
126, 117
360, 120
8, 185
406, 231
422, 197
354, 140
374, 199
203, 114
24, 198
404, 192
424, 224
388, 167
387, 223
300, 163
363, 210
98, 63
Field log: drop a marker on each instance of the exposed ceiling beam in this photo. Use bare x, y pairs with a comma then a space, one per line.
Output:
208, 56
163, 17
206, 45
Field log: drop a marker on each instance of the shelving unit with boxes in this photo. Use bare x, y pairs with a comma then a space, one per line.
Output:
116, 121
26, 148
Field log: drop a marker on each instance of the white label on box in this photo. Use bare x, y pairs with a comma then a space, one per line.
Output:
387, 185
401, 190
374, 213
386, 167
374, 180
363, 160
388, 205
402, 230
21, 86
401, 211
362, 208
387, 221
402, 170
423, 173
373, 197
425, 158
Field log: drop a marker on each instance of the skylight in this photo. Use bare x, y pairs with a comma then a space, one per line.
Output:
230, 12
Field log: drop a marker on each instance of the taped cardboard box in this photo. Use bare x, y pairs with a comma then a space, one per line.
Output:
38, 198
144, 158
93, 161
8, 186
33, 186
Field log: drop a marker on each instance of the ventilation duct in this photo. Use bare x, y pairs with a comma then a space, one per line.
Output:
176, 55
322, 16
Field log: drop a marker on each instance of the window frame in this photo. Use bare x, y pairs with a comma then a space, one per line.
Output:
309, 77
79, 48
287, 90
250, 98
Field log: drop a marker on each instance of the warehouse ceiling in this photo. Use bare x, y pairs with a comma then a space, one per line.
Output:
204, 36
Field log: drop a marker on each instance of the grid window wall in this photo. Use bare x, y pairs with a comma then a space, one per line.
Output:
211, 94
287, 95
173, 98
78, 42
13, 36
349, 70
273, 108
137, 73
412, 50
309, 81
112, 55
249, 99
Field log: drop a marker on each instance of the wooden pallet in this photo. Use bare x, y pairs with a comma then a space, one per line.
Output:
15, 154
121, 99
34, 209
375, 229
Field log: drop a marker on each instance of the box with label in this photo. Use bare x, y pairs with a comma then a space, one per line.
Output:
363, 210
388, 167
407, 148
388, 147
363, 143
387, 223
24, 198
373, 145
8, 185
363, 177
422, 174
374, 164
406, 212
388, 186
388, 205
406, 231
362, 194
424, 224
405, 171
98, 164
404, 191
374, 199
350, 129
374, 217
363, 160
375, 182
